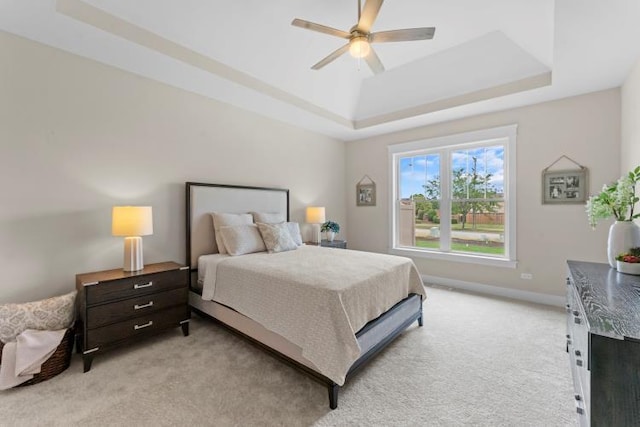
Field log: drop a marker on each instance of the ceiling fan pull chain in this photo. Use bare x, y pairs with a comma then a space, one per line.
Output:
359, 9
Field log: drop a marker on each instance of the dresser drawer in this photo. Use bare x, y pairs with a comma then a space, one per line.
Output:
138, 326
105, 314
135, 286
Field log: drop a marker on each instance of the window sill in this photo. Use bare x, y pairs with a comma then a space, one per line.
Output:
455, 257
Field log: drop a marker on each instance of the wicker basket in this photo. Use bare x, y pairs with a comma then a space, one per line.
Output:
56, 363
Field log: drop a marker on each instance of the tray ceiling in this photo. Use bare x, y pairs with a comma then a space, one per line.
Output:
486, 55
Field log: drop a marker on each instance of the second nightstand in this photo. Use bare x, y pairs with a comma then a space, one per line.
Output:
116, 307
341, 244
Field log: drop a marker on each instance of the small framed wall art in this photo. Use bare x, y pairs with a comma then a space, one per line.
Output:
565, 186
366, 192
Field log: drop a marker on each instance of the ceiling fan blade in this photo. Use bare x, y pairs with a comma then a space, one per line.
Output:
331, 57
374, 62
369, 15
320, 28
405, 35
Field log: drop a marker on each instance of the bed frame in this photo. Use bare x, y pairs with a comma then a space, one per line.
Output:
204, 198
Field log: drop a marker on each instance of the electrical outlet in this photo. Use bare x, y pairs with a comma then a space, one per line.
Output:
526, 276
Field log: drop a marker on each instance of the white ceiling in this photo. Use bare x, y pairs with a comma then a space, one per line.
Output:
486, 55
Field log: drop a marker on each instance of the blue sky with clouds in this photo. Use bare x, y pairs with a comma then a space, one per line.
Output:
416, 170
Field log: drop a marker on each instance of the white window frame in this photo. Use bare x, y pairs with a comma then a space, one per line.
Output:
505, 135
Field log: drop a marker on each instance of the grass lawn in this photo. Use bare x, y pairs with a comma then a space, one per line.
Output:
463, 247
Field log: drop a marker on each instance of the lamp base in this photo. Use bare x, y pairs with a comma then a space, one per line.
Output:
133, 254
315, 233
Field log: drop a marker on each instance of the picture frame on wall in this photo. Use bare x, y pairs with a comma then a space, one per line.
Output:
565, 186
366, 192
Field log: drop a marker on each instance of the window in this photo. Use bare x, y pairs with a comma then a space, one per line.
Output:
454, 197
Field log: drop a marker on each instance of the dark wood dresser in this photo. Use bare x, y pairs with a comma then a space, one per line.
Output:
603, 341
117, 307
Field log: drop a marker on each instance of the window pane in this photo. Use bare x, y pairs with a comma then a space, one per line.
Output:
478, 227
452, 197
419, 207
477, 173
477, 207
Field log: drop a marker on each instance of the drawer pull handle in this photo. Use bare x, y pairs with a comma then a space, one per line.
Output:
576, 313
577, 397
146, 285
578, 353
146, 325
138, 307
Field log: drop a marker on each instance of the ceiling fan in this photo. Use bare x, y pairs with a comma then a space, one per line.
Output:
360, 36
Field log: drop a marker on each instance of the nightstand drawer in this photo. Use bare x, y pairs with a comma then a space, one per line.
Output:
143, 325
135, 286
116, 311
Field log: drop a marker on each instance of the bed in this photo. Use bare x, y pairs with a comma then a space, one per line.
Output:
327, 323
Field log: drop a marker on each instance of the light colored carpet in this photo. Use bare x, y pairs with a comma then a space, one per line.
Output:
476, 361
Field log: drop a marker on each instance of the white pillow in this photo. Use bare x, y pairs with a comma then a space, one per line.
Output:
49, 314
294, 230
277, 237
268, 217
242, 239
226, 219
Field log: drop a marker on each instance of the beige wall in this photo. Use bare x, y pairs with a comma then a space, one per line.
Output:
630, 149
77, 137
585, 128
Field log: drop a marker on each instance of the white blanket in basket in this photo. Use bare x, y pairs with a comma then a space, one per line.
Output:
23, 358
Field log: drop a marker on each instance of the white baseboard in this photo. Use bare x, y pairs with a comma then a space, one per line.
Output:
497, 290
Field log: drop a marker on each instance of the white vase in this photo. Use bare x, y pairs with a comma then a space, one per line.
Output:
623, 235
331, 235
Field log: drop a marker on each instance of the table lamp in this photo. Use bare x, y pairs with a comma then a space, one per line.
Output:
131, 222
315, 216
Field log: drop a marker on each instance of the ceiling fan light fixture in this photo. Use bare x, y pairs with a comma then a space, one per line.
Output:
359, 47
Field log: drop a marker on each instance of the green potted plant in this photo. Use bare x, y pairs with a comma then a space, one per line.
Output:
617, 200
331, 228
629, 262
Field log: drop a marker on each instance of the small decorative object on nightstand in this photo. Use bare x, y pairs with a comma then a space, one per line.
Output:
340, 244
331, 228
117, 307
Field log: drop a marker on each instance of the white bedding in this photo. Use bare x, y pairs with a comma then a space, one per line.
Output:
315, 297
207, 267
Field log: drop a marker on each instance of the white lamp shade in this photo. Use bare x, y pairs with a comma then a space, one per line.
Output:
132, 221
315, 215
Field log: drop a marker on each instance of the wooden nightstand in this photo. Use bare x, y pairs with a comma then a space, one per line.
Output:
117, 307
341, 244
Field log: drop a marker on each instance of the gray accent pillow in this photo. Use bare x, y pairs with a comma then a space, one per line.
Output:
268, 217
227, 219
49, 314
242, 239
277, 237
